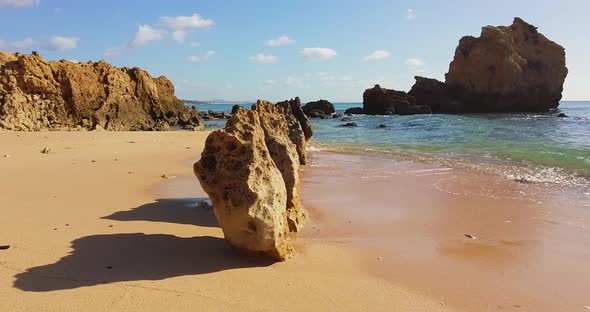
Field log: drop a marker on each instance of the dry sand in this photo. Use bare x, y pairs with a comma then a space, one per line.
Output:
93, 226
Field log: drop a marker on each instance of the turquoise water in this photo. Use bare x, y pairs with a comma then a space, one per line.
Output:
524, 147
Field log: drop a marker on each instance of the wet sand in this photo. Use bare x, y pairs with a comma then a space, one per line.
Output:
475, 242
93, 226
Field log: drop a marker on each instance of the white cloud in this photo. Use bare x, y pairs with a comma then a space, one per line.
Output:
199, 58
294, 82
415, 65
63, 43
178, 36
186, 22
24, 44
411, 14
264, 58
377, 55
19, 4
114, 51
180, 25
311, 54
335, 78
414, 62
280, 41
144, 35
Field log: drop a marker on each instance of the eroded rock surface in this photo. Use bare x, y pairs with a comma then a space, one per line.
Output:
36, 94
250, 170
381, 101
436, 95
320, 108
508, 69
300, 129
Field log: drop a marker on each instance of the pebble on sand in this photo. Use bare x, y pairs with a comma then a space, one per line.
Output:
7, 156
46, 150
470, 236
165, 176
4, 247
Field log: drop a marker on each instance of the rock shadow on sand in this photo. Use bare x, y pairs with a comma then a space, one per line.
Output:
104, 259
171, 210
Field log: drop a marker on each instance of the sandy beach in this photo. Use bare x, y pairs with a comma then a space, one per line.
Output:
94, 226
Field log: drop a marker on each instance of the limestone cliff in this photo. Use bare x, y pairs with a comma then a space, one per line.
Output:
36, 94
508, 69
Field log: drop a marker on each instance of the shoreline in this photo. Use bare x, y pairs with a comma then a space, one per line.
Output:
417, 217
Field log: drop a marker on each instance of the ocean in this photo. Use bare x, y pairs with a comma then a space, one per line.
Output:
525, 147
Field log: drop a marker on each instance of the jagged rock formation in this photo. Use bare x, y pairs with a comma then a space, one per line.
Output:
36, 95
506, 69
381, 101
300, 129
319, 109
250, 170
436, 95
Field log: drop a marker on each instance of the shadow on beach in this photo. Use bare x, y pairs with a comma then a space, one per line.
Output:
104, 259
171, 210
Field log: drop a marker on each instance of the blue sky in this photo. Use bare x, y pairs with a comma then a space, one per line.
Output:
245, 50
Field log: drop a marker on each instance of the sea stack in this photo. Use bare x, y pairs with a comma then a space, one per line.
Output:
250, 170
506, 69
36, 95
319, 109
381, 101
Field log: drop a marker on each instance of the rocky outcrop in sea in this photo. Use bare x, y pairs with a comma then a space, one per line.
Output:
381, 101
250, 170
319, 109
507, 69
60, 95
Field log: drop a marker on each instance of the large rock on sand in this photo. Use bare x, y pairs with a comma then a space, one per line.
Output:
381, 101
36, 95
250, 170
508, 69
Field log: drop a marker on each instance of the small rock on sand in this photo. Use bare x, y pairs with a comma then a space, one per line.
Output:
379, 258
470, 236
4, 247
165, 176
6, 156
46, 150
